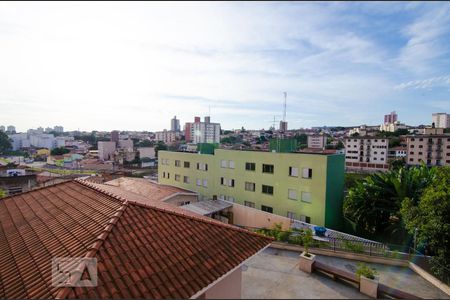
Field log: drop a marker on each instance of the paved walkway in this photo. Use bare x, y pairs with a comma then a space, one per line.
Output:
397, 277
275, 274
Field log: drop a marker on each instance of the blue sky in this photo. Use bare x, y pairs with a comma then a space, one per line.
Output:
133, 66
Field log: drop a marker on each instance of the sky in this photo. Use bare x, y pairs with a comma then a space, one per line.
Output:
135, 65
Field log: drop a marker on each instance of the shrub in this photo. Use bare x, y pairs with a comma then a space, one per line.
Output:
366, 271
307, 240
359, 248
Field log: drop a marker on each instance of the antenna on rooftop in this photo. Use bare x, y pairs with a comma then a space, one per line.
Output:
284, 107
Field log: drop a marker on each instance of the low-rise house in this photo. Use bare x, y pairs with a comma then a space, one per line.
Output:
151, 251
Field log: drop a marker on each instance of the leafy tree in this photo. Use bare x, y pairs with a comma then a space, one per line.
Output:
145, 143
301, 139
431, 218
59, 151
374, 202
355, 134
340, 145
397, 164
308, 240
394, 142
5, 143
160, 146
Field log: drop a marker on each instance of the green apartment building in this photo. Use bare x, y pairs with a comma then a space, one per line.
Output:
302, 186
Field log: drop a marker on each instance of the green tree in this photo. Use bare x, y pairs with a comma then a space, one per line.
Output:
160, 146
5, 143
430, 216
59, 151
374, 202
145, 143
2, 193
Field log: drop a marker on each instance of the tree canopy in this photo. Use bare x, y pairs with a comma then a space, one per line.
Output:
5, 143
59, 151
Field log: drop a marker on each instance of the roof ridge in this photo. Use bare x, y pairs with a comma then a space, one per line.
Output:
63, 292
178, 213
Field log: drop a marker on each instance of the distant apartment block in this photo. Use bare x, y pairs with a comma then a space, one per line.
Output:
202, 132
441, 120
115, 136
306, 187
317, 141
391, 118
363, 153
2, 128
58, 129
10, 129
283, 126
167, 136
106, 150
433, 150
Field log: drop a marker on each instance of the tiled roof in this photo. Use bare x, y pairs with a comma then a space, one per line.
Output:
146, 188
142, 251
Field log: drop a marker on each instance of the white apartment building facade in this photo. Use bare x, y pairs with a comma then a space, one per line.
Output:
366, 154
441, 120
106, 150
167, 136
317, 141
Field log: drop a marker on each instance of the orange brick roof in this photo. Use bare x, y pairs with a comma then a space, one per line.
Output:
142, 251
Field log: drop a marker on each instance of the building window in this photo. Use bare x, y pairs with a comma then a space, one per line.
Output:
291, 215
307, 173
205, 167
168, 175
187, 164
231, 182
292, 194
185, 203
250, 166
231, 164
223, 163
267, 168
305, 219
267, 209
306, 197
293, 172
267, 189
177, 163
164, 174
420, 146
198, 166
177, 177
249, 204
199, 182
411, 153
205, 182
250, 186
185, 179
221, 197
222, 180
230, 198
411, 159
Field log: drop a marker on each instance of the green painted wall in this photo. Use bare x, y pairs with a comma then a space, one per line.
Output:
283, 145
322, 185
334, 191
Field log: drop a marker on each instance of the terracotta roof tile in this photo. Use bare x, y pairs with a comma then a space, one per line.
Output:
143, 251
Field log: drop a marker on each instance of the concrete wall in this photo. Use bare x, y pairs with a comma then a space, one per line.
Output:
229, 287
251, 217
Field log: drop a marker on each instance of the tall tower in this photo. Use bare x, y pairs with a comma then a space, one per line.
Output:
175, 124
283, 124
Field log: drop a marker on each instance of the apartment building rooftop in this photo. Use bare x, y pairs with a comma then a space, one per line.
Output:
142, 251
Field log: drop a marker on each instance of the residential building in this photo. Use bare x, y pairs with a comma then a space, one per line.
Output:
106, 150
125, 144
397, 152
304, 186
15, 181
167, 136
19, 141
175, 124
441, 120
115, 136
391, 118
317, 141
392, 127
42, 140
361, 131
10, 129
434, 150
58, 129
150, 250
202, 132
283, 126
2, 128
432, 130
146, 152
366, 153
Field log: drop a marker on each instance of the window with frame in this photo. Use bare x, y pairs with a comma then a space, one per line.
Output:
249, 204
205, 182
185, 203
307, 173
168, 175
267, 209
199, 182
305, 219
291, 215
187, 164
293, 172
292, 194
250, 186
231, 164
230, 198
249, 166
221, 197
185, 179
267, 189
222, 180
177, 177
223, 163
231, 182
177, 163
306, 197
164, 175
267, 168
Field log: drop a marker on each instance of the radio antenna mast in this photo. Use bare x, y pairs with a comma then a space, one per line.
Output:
284, 107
